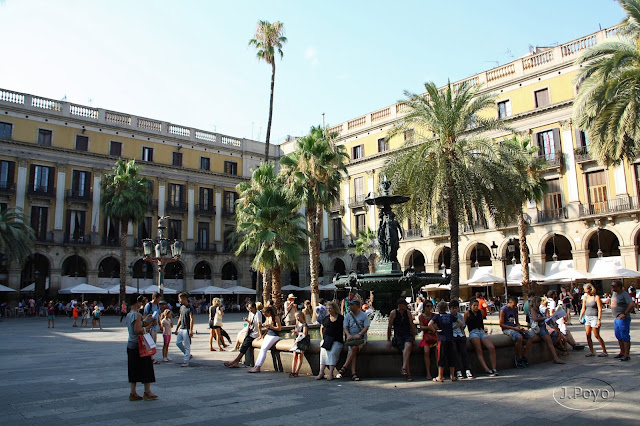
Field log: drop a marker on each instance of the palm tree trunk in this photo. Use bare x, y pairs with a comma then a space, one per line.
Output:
124, 225
524, 254
276, 289
453, 234
273, 80
266, 286
314, 251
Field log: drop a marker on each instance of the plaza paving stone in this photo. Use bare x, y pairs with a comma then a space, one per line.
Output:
72, 375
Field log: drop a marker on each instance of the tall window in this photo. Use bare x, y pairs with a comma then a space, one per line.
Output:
80, 183
5, 130
176, 194
336, 225
542, 98
504, 109
7, 170
203, 235
383, 145
582, 141
549, 144
597, 190
360, 226
177, 159
357, 152
42, 179
205, 163
144, 229
553, 197
206, 198
82, 143
44, 137
175, 229
76, 220
230, 198
39, 216
115, 149
231, 167
358, 188
111, 232
147, 154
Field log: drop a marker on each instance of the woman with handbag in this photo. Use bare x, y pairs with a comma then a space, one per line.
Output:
538, 326
302, 343
140, 368
590, 315
429, 337
272, 325
478, 336
332, 340
216, 311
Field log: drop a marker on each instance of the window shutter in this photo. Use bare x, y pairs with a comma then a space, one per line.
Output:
539, 144
87, 182
32, 176
508, 108
68, 235
556, 139
75, 181
11, 172
52, 171
579, 139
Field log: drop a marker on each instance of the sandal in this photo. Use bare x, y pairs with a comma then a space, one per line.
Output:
590, 354
355, 378
409, 378
292, 375
454, 379
341, 373
320, 377
558, 361
435, 379
149, 397
603, 355
404, 372
135, 397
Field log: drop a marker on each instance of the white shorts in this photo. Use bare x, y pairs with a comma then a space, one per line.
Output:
591, 321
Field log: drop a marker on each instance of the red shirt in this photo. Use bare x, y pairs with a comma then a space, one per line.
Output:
483, 306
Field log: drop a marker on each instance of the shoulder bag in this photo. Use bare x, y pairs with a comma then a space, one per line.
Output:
355, 342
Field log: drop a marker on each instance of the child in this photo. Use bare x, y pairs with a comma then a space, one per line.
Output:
75, 316
51, 321
428, 336
301, 332
85, 314
167, 326
460, 342
443, 323
96, 316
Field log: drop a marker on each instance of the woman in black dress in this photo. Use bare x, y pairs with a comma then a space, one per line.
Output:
140, 368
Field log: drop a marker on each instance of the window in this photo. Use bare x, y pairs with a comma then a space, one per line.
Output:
542, 98
7, 170
147, 154
553, 197
360, 227
39, 216
115, 149
504, 109
144, 229
80, 184
175, 229
111, 232
3, 206
337, 229
357, 152
176, 195
203, 235
82, 143
41, 179
44, 137
230, 198
5, 130
597, 191
205, 163
206, 198
383, 145
177, 159
231, 167
76, 220
582, 141
408, 134
549, 144
358, 188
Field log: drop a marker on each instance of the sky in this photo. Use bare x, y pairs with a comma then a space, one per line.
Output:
188, 62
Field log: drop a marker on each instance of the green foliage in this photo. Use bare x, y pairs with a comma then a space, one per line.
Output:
16, 236
125, 194
365, 243
607, 105
268, 40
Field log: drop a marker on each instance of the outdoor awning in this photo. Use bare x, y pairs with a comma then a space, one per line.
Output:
482, 275
153, 288
83, 289
290, 288
514, 275
435, 286
567, 275
116, 289
210, 289
329, 286
4, 288
238, 289
610, 268
32, 287
551, 268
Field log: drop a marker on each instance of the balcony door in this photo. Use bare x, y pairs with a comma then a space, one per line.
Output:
597, 190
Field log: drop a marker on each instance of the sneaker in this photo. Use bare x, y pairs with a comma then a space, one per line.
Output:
165, 360
459, 375
469, 375
519, 363
168, 359
619, 356
525, 361
494, 372
625, 358
186, 364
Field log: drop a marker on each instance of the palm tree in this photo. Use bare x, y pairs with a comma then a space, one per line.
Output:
607, 105
313, 175
448, 165
269, 39
16, 236
365, 246
532, 187
269, 224
125, 198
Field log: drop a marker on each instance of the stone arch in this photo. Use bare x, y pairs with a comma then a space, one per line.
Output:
338, 266
592, 231
564, 248
360, 264
174, 270
442, 254
320, 269
635, 236
415, 258
202, 270
229, 271
138, 270
479, 251
607, 241
72, 264
548, 236
109, 267
36, 262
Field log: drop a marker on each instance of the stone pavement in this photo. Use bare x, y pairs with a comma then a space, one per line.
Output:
70, 375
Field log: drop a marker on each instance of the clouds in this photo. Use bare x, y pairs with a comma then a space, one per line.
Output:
311, 55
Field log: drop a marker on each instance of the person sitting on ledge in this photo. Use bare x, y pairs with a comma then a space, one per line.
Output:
254, 324
536, 317
511, 327
478, 336
404, 334
356, 324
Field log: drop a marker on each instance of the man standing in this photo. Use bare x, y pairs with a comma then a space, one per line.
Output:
254, 324
482, 304
153, 308
632, 294
404, 334
344, 308
356, 325
621, 307
511, 327
184, 328
290, 309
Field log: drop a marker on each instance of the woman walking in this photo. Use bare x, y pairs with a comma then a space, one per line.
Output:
216, 311
539, 327
302, 343
429, 337
273, 325
96, 316
140, 368
591, 313
332, 340
51, 316
478, 336
167, 325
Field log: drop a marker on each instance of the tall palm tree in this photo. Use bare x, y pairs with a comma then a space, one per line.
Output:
607, 105
449, 165
269, 39
125, 198
532, 187
16, 236
313, 173
269, 224
365, 246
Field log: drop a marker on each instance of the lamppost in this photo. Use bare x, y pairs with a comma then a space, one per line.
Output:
511, 247
161, 252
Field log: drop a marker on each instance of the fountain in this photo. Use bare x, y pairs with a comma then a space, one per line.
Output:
388, 282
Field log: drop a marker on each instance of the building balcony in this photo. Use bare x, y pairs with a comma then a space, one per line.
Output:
333, 244
582, 155
79, 195
153, 205
475, 226
552, 215
7, 187
111, 242
42, 191
44, 238
206, 209
414, 233
228, 212
551, 161
617, 205
438, 230
176, 206
337, 207
357, 201
206, 247
77, 239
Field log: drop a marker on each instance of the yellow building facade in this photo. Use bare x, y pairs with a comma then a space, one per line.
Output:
53, 155
587, 220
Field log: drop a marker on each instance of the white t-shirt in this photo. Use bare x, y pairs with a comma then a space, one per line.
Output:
254, 323
551, 305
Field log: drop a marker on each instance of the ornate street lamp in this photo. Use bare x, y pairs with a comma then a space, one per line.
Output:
161, 252
511, 248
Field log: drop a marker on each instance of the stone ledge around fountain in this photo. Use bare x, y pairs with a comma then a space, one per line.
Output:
376, 360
